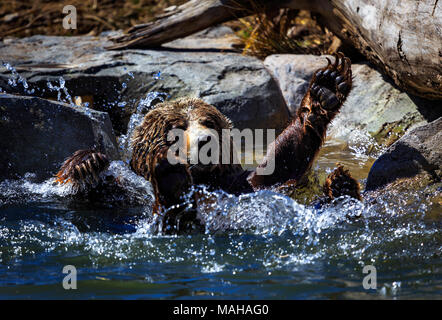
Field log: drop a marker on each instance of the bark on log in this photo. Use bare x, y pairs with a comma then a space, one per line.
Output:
402, 37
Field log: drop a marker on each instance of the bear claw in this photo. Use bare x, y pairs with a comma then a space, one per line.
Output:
339, 79
343, 86
83, 167
331, 85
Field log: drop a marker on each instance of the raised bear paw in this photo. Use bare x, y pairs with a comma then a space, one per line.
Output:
82, 168
330, 85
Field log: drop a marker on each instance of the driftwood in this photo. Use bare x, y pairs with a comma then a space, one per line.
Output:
403, 38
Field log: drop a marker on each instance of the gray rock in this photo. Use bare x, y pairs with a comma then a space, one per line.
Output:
374, 106
239, 86
420, 150
293, 73
37, 135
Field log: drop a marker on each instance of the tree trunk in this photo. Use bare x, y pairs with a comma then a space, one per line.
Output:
403, 37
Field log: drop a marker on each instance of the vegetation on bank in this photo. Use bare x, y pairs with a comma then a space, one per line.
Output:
24, 18
278, 31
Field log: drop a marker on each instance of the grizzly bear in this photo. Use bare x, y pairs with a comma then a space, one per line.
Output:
293, 151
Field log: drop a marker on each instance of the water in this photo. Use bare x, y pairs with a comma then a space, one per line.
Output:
256, 246
275, 247
144, 105
16, 79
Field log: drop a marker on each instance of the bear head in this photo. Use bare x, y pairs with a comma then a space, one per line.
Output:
180, 143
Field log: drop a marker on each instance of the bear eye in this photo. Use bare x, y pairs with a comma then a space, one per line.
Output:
208, 123
178, 126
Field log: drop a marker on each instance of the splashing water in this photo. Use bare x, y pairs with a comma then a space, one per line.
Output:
61, 88
16, 79
274, 247
63, 94
157, 76
136, 119
258, 245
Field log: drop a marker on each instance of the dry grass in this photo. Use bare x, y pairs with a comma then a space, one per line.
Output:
265, 32
23, 18
285, 31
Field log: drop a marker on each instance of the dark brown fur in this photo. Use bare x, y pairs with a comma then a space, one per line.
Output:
83, 166
340, 183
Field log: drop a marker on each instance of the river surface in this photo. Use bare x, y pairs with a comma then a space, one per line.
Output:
276, 248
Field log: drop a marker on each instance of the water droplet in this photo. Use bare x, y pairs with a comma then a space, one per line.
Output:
157, 76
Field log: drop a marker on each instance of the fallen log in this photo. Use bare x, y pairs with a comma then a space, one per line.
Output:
402, 38
194, 16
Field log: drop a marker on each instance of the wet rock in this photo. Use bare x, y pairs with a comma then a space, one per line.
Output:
37, 135
374, 106
239, 86
419, 151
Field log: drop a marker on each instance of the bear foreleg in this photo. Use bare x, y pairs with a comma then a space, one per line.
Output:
295, 149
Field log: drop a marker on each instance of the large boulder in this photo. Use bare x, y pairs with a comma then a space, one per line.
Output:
37, 135
418, 151
239, 86
375, 105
